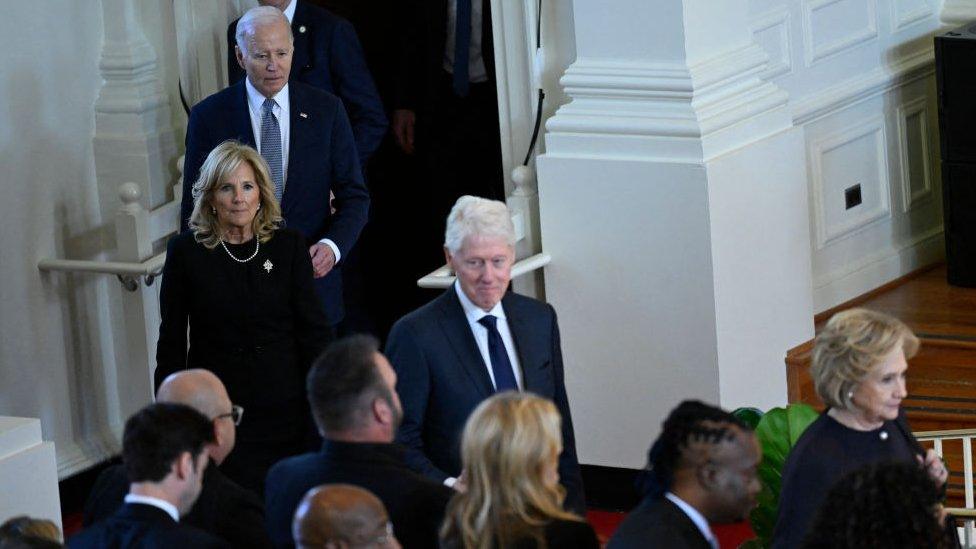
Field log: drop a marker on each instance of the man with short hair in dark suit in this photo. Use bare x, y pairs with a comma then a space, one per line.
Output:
700, 470
304, 135
164, 451
329, 57
224, 508
474, 340
351, 390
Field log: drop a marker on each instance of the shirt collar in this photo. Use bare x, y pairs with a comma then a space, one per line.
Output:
290, 11
155, 502
474, 312
695, 517
256, 100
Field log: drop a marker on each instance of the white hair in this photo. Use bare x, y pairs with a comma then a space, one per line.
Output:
473, 216
256, 17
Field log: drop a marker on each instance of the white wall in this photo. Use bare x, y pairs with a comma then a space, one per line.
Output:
52, 339
860, 77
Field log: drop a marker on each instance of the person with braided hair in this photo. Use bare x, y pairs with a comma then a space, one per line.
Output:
889, 504
700, 470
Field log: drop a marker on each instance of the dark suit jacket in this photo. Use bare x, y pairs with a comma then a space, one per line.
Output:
328, 56
441, 378
143, 526
558, 534
321, 158
658, 523
415, 504
422, 42
223, 509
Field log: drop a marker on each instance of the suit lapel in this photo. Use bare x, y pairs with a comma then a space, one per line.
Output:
241, 116
300, 29
683, 525
528, 354
298, 133
458, 332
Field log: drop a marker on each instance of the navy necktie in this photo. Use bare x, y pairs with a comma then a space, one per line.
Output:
501, 366
271, 146
462, 47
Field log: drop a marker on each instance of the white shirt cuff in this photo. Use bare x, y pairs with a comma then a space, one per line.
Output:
335, 249
449, 482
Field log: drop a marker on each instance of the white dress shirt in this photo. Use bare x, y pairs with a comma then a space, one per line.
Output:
155, 502
476, 63
290, 11
282, 111
695, 517
474, 314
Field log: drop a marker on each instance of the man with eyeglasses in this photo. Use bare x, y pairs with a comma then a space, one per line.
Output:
224, 508
342, 516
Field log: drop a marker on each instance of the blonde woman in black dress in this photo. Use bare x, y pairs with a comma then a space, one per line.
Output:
243, 287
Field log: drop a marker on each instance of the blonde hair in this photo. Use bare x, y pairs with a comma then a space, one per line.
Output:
508, 442
220, 163
849, 347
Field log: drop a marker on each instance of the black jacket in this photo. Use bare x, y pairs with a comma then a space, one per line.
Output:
223, 509
415, 504
137, 525
658, 523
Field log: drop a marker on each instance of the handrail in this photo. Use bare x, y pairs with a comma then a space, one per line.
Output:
442, 277
952, 433
128, 273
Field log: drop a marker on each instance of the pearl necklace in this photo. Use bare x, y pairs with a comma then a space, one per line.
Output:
257, 246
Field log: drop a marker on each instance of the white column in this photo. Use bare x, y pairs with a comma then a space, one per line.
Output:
134, 138
28, 472
673, 201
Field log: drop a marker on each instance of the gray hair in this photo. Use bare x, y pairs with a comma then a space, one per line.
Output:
473, 216
256, 17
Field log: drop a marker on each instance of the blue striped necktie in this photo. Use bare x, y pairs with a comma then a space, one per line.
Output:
501, 366
462, 47
271, 146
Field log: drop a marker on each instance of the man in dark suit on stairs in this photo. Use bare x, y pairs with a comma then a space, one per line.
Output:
328, 56
164, 451
224, 508
303, 134
701, 470
474, 340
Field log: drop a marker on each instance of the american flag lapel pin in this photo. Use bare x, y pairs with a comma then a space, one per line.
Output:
303, 115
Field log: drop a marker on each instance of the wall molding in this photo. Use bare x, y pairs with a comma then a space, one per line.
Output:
901, 20
910, 68
826, 234
957, 12
87, 451
813, 54
910, 199
667, 112
778, 19
876, 269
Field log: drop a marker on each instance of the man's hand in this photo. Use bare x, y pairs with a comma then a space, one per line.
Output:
404, 121
323, 259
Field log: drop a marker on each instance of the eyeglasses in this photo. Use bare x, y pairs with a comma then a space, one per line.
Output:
235, 414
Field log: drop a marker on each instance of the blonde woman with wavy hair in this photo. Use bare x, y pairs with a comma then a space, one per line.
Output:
243, 286
511, 495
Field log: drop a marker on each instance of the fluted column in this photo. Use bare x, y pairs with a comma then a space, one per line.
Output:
673, 202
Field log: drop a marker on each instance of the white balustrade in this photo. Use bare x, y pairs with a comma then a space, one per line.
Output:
967, 513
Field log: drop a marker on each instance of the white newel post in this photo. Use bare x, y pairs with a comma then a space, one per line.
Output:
140, 307
674, 204
28, 471
958, 12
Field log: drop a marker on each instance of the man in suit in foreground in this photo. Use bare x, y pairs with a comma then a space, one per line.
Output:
351, 391
474, 340
224, 508
701, 470
342, 515
303, 134
328, 56
164, 451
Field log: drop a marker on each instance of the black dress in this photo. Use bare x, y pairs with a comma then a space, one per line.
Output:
258, 326
558, 534
825, 452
